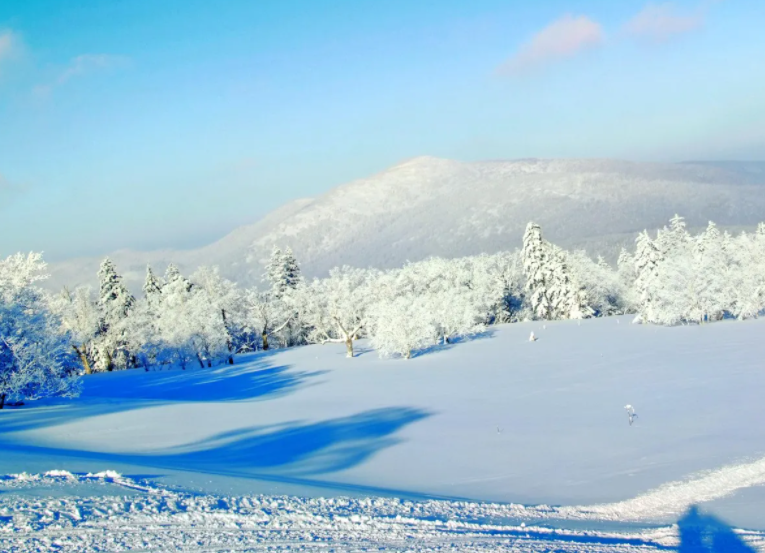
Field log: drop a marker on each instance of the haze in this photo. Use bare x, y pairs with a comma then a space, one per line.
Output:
151, 125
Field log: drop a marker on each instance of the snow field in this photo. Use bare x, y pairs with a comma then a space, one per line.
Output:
161, 519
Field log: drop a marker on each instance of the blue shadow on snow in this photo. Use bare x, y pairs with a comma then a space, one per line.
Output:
105, 393
292, 449
700, 533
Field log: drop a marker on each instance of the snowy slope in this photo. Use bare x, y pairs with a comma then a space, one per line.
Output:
494, 419
110, 512
429, 206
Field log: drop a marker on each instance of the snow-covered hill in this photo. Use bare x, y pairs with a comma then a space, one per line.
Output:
497, 418
429, 206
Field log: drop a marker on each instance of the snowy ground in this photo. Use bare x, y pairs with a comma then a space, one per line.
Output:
458, 448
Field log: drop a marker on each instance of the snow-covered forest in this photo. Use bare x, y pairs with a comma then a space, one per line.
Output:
203, 319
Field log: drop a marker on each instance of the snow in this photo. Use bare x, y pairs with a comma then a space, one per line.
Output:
420, 208
203, 450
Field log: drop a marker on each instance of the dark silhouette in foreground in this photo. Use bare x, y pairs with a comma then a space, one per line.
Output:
701, 533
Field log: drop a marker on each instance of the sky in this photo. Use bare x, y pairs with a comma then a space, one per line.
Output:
147, 125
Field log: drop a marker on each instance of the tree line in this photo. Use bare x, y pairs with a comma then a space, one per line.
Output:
673, 277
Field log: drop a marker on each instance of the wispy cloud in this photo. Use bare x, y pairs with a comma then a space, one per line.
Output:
660, 22
561, 39
80, 66
9, 43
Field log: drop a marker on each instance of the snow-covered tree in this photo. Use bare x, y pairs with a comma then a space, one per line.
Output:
266, 315
283, 276
536, 268
152, 287
80, 320
603, 290
401, 326
646, 259
34, 355
552, 290
336, 309
115, 303
190, 321
282, 272
224, 298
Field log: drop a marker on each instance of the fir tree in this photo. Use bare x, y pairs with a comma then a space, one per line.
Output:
115, 303
536, 259
152, 287
282, 272
647, 259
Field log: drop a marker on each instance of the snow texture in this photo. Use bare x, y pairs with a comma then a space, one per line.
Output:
465, 444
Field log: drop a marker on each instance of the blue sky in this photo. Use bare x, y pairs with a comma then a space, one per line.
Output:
148, 124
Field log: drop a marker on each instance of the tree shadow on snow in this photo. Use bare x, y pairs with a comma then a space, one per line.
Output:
314, 448
486, 334
700, 533
106, 393
291, 453
250, 381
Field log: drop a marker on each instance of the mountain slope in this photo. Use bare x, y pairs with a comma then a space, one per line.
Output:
430, 206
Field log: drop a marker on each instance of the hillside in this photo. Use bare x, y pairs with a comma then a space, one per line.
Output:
429, 206
497, 418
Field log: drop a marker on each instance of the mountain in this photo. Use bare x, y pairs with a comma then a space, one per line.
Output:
430, 206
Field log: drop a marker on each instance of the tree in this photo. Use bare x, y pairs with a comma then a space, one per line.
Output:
401, 326
34, 359
647, 259
266, 314
190, 322
282, 272
536, 260
336, 309
224, 298
115, 303
79, 317
283, 276
152, 287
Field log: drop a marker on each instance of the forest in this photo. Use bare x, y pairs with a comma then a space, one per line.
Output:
49, 340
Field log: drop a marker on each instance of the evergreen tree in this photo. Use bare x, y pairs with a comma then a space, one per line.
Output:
282, 272
173, 276
152, 287
115, 303
647, 259
536, 259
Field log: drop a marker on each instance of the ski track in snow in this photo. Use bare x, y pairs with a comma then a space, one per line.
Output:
154, 518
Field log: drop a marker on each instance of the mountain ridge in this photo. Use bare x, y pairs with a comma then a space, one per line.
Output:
427, 206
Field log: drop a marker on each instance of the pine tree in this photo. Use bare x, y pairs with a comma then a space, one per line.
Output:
115, 303
282, 272
152, 287
647, 259
536, 260
173, 276
292, 276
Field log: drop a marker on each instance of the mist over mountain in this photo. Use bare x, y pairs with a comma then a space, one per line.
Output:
429, 206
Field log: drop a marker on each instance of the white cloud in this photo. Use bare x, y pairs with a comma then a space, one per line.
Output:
80, 66
659, 22
563, 38
8, 45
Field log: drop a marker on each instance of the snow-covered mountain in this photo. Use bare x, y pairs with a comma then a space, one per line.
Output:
430, 206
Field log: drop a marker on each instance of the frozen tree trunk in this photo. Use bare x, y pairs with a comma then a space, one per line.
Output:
264, 336
2, 401
83, 359
109, 362
201, 363
229, 345
349, 346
